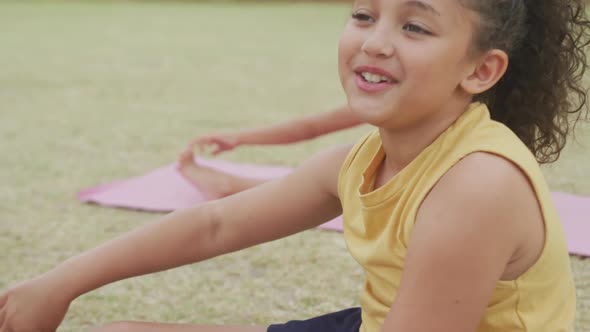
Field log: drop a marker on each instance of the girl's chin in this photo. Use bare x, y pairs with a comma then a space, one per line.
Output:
370, 113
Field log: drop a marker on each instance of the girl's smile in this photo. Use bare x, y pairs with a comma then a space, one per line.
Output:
374, 79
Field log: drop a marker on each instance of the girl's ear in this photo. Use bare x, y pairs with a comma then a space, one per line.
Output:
487, 73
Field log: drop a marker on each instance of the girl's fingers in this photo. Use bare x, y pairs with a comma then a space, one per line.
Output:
181, 155
204, 143
199, 141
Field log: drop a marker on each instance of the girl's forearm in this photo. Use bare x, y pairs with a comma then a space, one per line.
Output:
299, 129
178, 239
281, 133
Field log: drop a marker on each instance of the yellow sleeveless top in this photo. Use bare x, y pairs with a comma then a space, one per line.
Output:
377, 227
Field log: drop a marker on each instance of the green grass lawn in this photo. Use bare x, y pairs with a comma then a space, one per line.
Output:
96, 91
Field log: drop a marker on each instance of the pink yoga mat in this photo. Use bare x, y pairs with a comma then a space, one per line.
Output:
574, 212
164, 190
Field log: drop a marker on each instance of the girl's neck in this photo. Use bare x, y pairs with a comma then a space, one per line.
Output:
401, 146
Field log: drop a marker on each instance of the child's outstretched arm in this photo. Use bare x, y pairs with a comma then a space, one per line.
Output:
470, 232
304, 199
291, 131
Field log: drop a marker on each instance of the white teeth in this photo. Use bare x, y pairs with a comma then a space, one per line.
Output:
374, 78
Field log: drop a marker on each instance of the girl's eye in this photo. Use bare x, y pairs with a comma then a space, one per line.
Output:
416, 29
362, 17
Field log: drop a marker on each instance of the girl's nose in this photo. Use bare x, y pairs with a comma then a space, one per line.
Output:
379, 42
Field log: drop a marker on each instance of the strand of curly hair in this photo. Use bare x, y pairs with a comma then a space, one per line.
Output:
541, 97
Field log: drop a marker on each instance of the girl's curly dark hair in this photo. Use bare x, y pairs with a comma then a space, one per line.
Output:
541, 97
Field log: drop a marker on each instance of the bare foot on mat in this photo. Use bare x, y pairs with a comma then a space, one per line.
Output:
214, 184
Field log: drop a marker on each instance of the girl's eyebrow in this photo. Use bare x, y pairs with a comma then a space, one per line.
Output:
422, 6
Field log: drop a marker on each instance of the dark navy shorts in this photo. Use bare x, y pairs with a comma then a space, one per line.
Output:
348, 320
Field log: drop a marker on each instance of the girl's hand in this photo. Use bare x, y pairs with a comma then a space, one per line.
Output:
220, 142
36, 305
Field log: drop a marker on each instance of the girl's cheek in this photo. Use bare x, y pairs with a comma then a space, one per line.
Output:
346, 40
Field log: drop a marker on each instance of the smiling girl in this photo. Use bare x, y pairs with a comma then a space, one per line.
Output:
444, 204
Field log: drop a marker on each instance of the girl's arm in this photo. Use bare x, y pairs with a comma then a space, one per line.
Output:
304, 199
291, 131
470, 232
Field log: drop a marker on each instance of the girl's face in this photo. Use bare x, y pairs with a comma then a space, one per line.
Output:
401, 61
